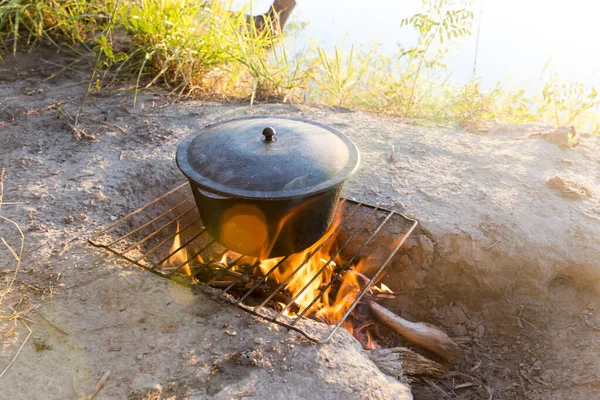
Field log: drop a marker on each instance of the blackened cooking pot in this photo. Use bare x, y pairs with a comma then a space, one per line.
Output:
267, 186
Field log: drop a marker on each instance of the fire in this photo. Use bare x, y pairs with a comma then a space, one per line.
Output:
371, 344
223, 260
306, 278
383, 289
180, 256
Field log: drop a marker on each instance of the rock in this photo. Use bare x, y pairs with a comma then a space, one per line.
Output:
472, 325
426, 245
405, 260
457, 315
459, 330
420, 277
563, 136
566, 161
568, 189
480, 331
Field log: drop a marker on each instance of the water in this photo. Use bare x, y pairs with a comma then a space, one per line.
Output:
517, 36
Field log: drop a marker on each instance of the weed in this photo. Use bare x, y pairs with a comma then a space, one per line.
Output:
66, 21
340, 75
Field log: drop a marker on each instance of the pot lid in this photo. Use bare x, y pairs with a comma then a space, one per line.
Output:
268, 157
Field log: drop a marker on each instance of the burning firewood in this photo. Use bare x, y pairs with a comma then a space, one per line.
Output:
419, 333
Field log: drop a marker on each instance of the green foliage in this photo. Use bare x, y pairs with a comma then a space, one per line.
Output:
567, 103
340, 74
440, 22
67, 21
273, 71
180, 41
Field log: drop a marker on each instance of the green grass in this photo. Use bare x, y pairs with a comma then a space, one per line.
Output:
200, 49
64, 21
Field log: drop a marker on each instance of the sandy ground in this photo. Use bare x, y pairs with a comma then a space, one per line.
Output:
506, 258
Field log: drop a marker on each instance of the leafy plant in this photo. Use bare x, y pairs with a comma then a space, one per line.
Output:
567, 103
340, 75
440, 22
67, 21
274, 73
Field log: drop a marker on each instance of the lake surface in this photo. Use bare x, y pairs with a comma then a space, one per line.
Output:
516, 38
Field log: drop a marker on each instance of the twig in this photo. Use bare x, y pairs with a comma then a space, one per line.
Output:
160, 314
490, 391
17, 257
420, 333
108, 124
493, 244
18, 351
52, 323
99, 385
437, 388
89, 281
530, 324
97, 388
2, 172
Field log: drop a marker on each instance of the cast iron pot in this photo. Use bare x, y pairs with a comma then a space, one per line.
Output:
267, 186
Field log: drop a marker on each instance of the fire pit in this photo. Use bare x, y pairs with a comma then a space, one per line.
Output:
325, 282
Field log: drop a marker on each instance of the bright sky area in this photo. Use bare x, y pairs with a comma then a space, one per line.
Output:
517, 36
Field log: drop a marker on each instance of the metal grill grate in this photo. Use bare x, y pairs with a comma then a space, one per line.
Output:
147, 237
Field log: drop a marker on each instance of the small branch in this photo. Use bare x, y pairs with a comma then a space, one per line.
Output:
52, 323
2, 172
99, 385
17, 257
18, 351
519, 319
97, 388
420, 333
11, 203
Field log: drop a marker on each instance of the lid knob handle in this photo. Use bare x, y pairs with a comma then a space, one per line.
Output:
268, 133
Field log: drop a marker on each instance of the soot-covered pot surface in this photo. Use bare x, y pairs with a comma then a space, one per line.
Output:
267, 186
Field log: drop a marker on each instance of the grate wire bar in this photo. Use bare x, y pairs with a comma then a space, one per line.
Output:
144, 238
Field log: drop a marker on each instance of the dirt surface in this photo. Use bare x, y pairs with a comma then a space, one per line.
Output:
505, 259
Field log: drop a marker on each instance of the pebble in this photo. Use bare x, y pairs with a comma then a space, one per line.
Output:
426, 244
405, 260
480, 331
258, 340
459, 330
459, 314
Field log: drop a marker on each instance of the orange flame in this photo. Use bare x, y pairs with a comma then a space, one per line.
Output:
383, 289
371, 343
304, 275
305, 283
180, 256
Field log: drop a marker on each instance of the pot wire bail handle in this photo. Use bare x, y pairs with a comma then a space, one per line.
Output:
269, 134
